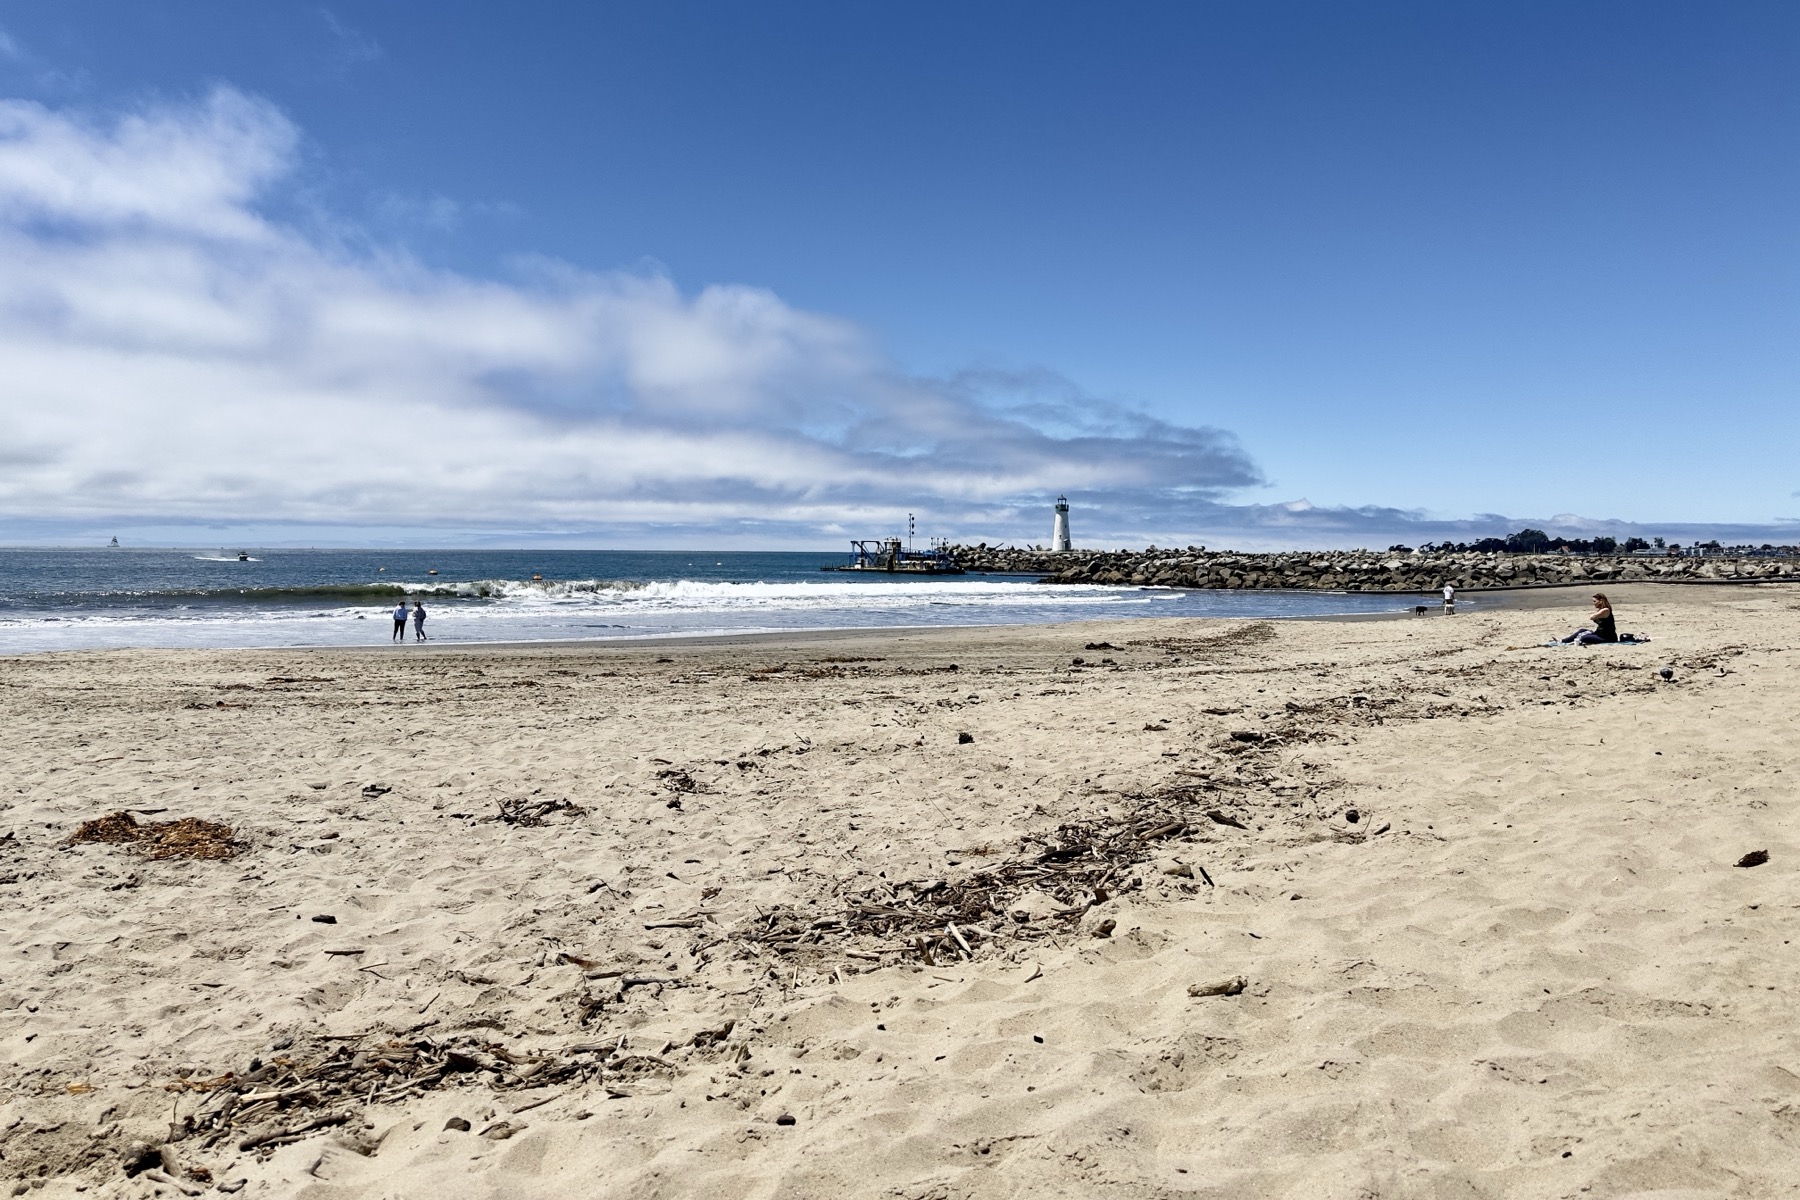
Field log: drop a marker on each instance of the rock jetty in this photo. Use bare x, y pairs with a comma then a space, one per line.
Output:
1363, 570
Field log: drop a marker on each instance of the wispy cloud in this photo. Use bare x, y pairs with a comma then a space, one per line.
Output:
400, 215
169, 353
351, 47
21, 65
436, 213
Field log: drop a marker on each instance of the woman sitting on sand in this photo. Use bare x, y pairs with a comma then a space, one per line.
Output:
1604, 629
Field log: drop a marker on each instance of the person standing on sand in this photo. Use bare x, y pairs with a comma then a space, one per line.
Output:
1449, 600
1605, 628
400, 623
419, 621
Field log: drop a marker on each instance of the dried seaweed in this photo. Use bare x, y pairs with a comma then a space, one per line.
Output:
532, 813
678, 780
279, 1102
1251, 633
1080, 864
189, 837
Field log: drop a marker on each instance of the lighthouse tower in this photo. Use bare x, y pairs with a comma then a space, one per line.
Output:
1059, 536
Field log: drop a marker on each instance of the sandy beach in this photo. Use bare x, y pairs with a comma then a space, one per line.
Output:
1411, 907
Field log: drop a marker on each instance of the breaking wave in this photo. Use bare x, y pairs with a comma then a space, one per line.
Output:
350, 593
664, 592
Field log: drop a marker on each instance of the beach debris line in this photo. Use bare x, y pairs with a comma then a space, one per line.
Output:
280, 1101
190, 837
1251, 633
1042, 889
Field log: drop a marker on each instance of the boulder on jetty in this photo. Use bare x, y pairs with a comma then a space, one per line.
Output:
1365, 570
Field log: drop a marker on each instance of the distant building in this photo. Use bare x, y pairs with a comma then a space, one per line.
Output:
1059, 536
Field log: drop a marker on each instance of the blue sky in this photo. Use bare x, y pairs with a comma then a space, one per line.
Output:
1432, 268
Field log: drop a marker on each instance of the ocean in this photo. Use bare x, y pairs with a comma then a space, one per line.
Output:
104, 598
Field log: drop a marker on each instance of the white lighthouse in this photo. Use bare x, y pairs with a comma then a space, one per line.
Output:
1059, 535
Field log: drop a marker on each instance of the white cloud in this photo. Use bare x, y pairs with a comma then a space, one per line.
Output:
169, 353
192, 171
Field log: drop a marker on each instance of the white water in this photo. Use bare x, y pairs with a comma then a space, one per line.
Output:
526, 610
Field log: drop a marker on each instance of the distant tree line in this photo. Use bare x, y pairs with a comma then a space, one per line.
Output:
1536, 541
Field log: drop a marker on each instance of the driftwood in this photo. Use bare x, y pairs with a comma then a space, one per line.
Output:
1078, 865
280, 1137
1225, 987
531, 813
281, 1102
586, 964
185, 1187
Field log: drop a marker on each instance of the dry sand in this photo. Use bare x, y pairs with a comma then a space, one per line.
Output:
1529, 968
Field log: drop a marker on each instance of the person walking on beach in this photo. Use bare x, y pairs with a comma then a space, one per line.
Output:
400, 622
1605, 628
419, 621
1449, 601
